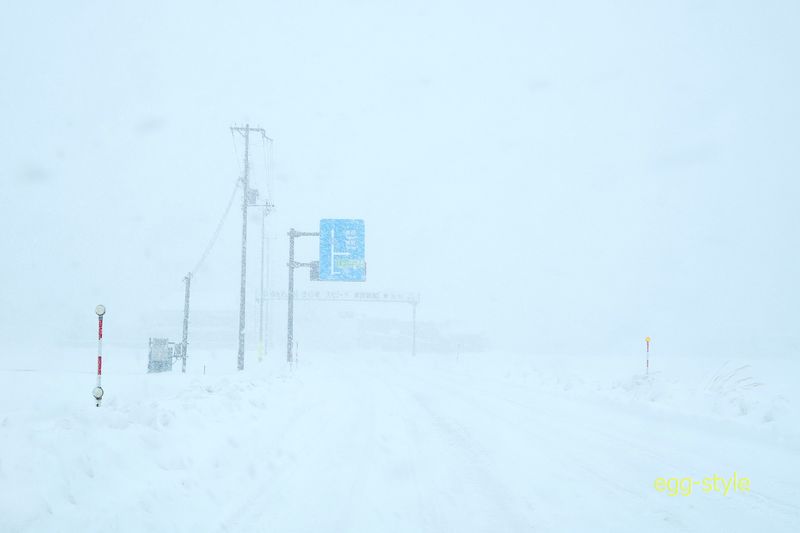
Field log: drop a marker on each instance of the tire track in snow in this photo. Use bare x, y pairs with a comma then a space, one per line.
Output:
469, 459
590, 429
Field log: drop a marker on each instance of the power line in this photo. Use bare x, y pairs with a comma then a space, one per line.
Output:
215, 235
235, 150
188, 278
268, 163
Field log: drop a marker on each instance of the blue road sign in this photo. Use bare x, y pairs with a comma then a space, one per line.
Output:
341, 250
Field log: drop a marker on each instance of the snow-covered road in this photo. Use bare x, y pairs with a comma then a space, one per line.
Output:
380, 443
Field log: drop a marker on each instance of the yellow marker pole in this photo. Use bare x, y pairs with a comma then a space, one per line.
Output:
647, 367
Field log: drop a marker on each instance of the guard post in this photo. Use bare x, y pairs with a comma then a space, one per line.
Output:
97, 392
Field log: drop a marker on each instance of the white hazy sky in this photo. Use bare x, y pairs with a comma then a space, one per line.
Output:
557, 176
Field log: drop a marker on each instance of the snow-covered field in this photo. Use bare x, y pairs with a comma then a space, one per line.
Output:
385, 442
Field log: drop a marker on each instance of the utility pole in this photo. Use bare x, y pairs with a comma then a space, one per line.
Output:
185, 340
264, 246
246, 193
263, 309
261, 293
414, 328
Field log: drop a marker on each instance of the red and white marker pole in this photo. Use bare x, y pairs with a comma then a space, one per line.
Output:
647, 368
98, 390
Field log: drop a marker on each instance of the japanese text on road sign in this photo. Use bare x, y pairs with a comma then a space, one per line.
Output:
341, 250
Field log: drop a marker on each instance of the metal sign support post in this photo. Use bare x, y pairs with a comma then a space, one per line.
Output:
290, 295
341, 258
290, 298
100, 310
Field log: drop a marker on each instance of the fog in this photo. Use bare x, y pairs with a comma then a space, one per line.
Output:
550, 177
